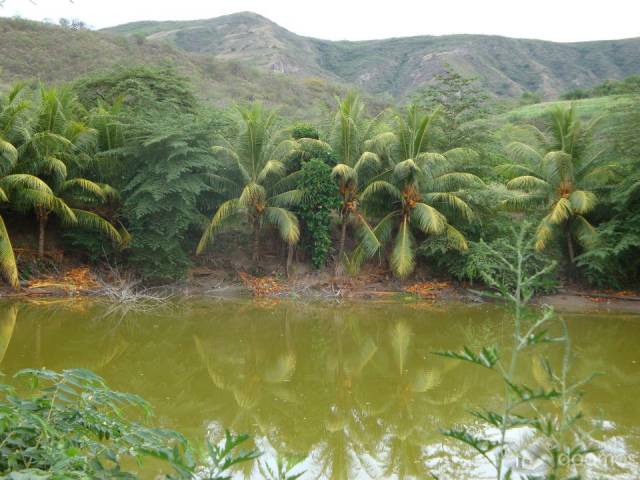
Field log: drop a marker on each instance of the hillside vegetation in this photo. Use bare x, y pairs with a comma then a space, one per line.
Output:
32, 50
505, 66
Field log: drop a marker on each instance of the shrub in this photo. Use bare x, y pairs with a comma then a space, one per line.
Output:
303, 130
321, 196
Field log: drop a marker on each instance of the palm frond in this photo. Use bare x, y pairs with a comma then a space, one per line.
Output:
86, 186
367, 163
403, 254
9, 154
510, 170
455, 238
453, 202
285, 221
583, 202
558, 164
527, 182
428, 219
230, 154
462, 156
560, 211
290, 182
24, 181
381, 143
252, 195
223, 184
523, 154
292, 198
8, 265
456, 180
225, 212
271, 169
381, 186
369, 242
406, 170
585, 232
94, 222
544, 233
343, 173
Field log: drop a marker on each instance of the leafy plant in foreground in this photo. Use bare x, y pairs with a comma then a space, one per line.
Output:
72, 425
549, 412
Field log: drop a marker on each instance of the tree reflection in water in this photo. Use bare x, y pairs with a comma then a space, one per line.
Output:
353, 387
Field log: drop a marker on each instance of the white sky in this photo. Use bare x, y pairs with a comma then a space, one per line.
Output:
557, 20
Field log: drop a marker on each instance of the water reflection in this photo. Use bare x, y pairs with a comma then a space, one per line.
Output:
354, 387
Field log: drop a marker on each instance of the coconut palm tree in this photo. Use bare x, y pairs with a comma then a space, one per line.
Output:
54, 147
12, 108
358, 143
561, 178
255, 178
418, 192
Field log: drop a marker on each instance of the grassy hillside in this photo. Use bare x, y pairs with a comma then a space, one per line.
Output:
505, 66
615, 131
32, 50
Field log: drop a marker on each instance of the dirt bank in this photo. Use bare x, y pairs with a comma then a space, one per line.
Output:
80, 281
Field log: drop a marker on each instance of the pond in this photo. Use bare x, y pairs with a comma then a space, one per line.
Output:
354, 387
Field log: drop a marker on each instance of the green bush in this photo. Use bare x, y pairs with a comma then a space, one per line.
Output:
304, 130
320, 197
73, 426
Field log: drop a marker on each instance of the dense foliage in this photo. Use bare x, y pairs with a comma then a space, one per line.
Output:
70, 424
132, 159
320, 198
628, 86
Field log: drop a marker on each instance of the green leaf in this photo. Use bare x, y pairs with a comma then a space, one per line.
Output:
487, 357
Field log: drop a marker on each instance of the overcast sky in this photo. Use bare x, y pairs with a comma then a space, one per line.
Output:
557, 20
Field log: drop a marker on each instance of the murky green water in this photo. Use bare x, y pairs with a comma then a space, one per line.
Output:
355, 386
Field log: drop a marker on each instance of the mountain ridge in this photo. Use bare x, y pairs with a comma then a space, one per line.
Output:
398, 66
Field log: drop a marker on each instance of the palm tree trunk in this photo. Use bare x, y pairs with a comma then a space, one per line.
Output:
290, 249
343, 236
42, 225
570, 247
255, 255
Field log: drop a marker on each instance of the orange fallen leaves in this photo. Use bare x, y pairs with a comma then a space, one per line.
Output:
261, 286
427, 289
76, 280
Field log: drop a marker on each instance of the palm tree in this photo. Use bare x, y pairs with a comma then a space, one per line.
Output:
418, 191
561, 178
53, 147
356, 139
12, 108
255, 178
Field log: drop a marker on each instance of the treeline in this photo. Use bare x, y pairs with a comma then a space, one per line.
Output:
628, 86
131, 167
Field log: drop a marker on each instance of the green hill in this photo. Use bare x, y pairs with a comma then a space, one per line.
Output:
33, 50
505, 66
